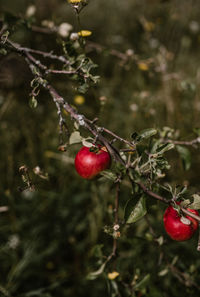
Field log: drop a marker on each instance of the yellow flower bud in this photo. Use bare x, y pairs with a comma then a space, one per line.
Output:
79, 100
113, 275
84, 33
143, 66
74, 1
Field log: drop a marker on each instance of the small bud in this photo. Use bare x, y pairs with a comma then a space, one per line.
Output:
74, 36
64, 29
84, 33
37, 170
117, 234
129, 52
116, 227
31, 10
113, 275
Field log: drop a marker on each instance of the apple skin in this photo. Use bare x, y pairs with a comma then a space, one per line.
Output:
89, 164
175, 228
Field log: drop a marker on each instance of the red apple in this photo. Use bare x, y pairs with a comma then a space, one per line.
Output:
178, 227
90, 163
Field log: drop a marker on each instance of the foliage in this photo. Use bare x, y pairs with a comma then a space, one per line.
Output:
64, 236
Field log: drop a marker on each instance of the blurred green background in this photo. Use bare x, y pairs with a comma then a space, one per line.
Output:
148, 57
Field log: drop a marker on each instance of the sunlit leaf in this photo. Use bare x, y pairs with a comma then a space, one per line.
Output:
196, 202
75, 137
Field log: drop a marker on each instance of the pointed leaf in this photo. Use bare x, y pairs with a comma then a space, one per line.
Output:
95, 274
144, 134
133, 214
143, 283
164, 148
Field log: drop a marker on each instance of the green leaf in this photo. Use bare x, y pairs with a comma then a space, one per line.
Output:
33, 102
196, 202
143, 283
93, 275
144, 134
109, 175
135, 209
163, 272
3, 51
164, 148
185, 156
197, 131
83, 88
75, 137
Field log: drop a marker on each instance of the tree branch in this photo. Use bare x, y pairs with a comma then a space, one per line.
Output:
82, 120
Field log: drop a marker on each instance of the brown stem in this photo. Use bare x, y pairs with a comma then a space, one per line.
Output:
182, 142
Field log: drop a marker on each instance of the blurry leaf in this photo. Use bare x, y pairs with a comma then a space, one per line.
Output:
164, 148
197, 131
135, 209
3, 51
174, 260
134, 135
196, 202
75, 137
33, 102
95, 274
163, 272
97, 251
95, 78
185, 156
143, 283
160, 240
83, 88
109, 175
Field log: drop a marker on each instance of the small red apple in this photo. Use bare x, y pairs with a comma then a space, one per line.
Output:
178, 227
89, 163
